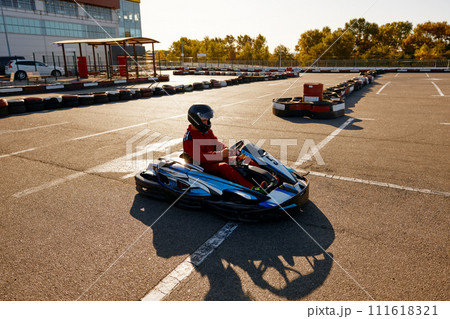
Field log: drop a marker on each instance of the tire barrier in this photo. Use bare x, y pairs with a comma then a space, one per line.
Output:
113, 96
34, 104
16, 106
198, 86
86, 99
169, 89
69, 100
146, 92
318, 103
101, 98
136, 94
125, 95
3, 108
52, 102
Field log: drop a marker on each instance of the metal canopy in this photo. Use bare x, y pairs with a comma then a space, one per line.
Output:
108, 42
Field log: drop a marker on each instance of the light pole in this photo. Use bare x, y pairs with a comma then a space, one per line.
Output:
6, 31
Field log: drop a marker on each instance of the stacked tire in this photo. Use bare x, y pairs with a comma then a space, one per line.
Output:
3, 108
69, 100
16, 106
52, 103
34, 104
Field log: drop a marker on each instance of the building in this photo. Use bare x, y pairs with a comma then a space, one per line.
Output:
29, 27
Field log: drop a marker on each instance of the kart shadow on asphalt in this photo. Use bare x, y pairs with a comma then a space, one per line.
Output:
285, 260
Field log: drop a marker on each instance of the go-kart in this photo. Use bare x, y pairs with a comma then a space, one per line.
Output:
177, 178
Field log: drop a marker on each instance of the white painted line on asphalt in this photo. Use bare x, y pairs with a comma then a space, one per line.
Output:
364, 119
375, 183
266, 95
240, 102
445, 123
123, 164
396, 75
18, 152
48, 185
183, 270
427, 75
322, 144
33, 128
438, 89
107, 132
382, 88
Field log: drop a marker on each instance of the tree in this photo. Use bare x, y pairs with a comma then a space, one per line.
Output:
365, 35
281, 52
429, 40
260, 48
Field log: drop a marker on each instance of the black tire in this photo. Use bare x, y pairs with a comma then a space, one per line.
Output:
34, 104
125, 95
56, 73
51, 103
85, 100
3, 108
136, 94
20, 75
146, 92
16, 106
279, 112
101, 98
113, 96
69, 101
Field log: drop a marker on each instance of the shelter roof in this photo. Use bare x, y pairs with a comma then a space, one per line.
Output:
109, 41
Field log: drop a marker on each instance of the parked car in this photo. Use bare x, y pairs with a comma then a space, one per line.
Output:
4, 60
22, 67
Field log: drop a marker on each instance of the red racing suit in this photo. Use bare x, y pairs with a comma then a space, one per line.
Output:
204, 149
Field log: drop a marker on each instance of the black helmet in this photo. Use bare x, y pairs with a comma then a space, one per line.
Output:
196, 113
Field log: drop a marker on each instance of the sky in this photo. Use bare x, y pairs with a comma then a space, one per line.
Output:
281, 22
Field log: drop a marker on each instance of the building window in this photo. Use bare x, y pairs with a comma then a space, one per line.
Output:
21, 25
129, 19
20, 4
98, 12
61, 7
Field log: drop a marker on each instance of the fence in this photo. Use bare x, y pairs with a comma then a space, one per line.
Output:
217, 63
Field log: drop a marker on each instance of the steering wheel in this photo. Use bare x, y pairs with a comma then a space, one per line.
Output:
237, 147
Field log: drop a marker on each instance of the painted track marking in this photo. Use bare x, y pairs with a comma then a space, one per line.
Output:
438, 89
381, 184
382, 88
121, 164
322, 144
107, 132
183, 270
32, 128
18, 152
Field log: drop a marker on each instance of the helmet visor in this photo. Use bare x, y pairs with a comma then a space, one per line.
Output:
206, 114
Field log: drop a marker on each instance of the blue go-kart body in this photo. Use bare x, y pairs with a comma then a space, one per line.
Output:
174, 178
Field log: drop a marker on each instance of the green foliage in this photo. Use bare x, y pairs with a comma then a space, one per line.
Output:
359, 39
229, 48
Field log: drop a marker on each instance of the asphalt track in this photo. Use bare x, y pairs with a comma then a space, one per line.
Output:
376, 227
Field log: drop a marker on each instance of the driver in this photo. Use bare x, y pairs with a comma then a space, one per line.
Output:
205, 149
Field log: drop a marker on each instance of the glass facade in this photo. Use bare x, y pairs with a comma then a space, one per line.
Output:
19, 4
99, 12
129, 19
54, 28
61, 7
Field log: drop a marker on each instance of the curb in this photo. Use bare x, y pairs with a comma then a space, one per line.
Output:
34, 89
